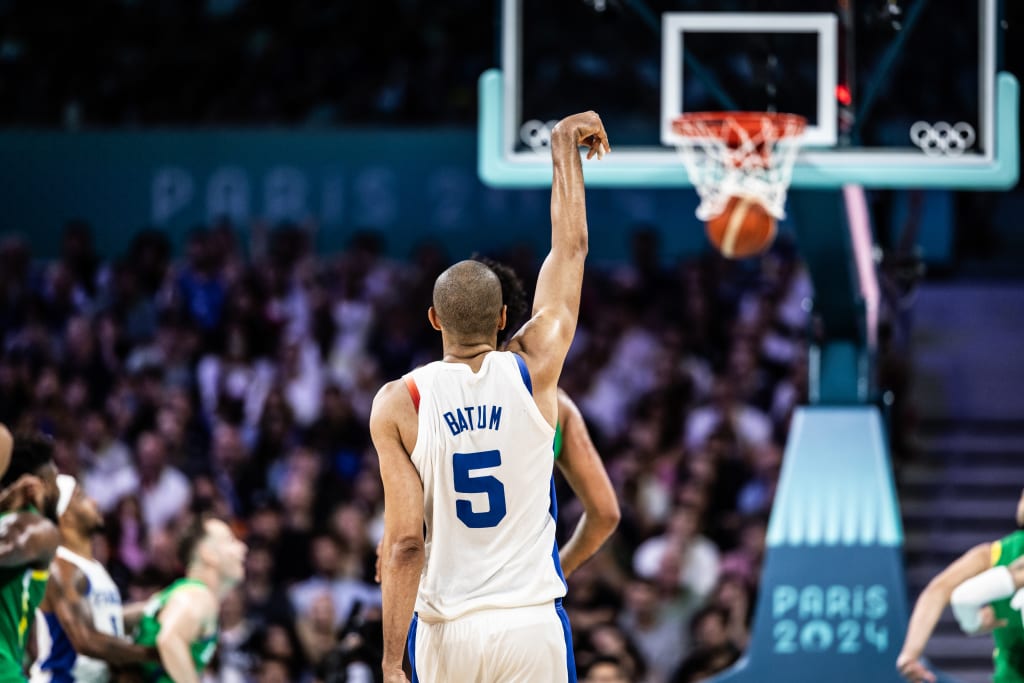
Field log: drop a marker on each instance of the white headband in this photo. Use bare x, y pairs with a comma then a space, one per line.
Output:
66, 483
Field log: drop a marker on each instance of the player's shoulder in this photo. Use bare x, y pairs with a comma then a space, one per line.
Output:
1008, 548
392, 403
192, 596
390, 393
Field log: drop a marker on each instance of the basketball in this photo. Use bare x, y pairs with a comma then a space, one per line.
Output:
744, 229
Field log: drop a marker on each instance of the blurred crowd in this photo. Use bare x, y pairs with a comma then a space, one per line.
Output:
152, 62
239, 378
306, 62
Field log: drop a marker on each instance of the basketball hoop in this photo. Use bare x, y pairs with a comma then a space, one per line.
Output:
739, 154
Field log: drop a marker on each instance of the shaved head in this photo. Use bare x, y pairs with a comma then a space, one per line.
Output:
467, 300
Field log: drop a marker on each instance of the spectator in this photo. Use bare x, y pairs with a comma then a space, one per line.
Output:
713, 651
347, 593
163, 490
604, 669
656, 626
681, 554
751, 426
234, 662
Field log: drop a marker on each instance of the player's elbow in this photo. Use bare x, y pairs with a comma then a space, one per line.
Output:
406, 551
83, 641
577, 247
80, 642
939, 587
607, 516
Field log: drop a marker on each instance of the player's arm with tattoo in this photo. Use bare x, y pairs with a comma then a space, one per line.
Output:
65, 598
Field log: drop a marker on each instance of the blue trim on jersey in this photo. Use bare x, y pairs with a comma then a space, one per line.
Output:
411, 643
553, 510
61, 660
525, 372
570, 658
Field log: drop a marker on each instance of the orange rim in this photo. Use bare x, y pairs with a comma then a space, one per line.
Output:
751, 122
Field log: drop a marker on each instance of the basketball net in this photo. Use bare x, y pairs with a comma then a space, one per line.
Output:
739, 154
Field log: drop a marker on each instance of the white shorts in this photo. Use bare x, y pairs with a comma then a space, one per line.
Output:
518, 645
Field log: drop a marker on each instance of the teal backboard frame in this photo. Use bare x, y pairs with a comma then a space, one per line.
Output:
997, 169
821, 165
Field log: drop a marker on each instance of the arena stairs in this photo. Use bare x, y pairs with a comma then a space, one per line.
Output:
961, 485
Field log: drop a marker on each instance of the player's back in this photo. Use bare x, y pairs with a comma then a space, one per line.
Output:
57, 660
484, 454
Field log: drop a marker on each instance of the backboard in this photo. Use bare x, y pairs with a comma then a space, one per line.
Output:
897, 93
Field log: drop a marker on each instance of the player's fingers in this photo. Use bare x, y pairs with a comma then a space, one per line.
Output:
912, 671
919, 674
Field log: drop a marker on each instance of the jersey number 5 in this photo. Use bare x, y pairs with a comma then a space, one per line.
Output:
463, 464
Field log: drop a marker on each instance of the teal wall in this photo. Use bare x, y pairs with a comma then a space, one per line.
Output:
410, 185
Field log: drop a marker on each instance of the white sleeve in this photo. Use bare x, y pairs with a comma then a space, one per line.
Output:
970, 596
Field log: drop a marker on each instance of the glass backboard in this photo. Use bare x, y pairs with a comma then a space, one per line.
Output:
897, 93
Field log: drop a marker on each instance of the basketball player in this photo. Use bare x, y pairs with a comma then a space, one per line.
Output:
574, 451
80, 624
181, 620
1002, 619
27, 490
465, 449
28, 542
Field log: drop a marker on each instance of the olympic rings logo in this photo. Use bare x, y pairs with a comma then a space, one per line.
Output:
943, 139
536, 134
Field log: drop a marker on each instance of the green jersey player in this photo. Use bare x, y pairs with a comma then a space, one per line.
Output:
28, 542
181, 620
978, 586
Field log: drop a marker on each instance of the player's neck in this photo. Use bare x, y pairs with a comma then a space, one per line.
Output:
209, 577
79, 544
468, 354
470, 351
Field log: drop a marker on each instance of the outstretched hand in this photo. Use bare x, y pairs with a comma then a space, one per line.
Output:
585, 130
913, 669
989, 622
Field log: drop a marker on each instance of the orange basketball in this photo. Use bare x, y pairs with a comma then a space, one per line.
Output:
744, 229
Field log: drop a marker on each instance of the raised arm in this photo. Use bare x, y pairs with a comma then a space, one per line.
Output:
181, 623
583, 469
27, 539
929, 607
545, 339
65, 598
402, 549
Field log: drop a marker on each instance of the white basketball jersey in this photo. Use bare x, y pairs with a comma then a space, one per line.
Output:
484, 453
57, 660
